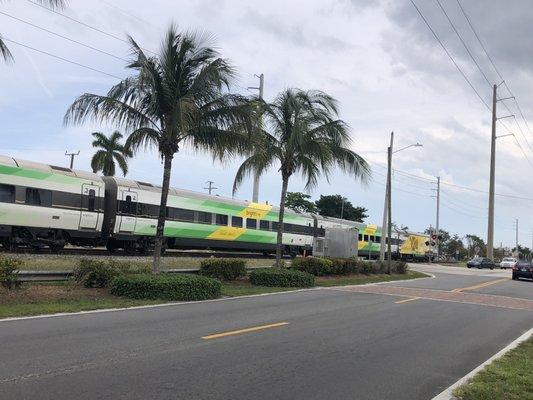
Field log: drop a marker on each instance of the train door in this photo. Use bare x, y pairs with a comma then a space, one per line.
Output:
128, 211
89, 208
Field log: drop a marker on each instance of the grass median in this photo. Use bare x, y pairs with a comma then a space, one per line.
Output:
509, 377
64, 297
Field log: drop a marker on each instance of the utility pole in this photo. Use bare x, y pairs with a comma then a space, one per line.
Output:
490, 228
255, 191
516, 234
72, 155
386, 203
389, 207
342, 208
437, 247
210, 186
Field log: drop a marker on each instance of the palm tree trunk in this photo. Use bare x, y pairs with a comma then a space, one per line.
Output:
279, 243
162, 214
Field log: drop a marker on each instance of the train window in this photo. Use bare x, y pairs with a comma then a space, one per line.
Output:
221, 219
204, 217
287, 228
38, 197
360, 237
92, 200
236, 222
181, 214
251, 223
371, 238
366, 238
264, 225
127, 207
275, 226
7, 193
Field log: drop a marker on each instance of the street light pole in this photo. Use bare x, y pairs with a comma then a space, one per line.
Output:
255, 191
389, 209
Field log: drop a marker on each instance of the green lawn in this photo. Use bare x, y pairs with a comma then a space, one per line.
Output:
508, 378
61, 297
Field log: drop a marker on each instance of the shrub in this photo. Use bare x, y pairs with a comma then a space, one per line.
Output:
165, 287
281, 278
366, 267
9, 269
313, 265
227, 269
345, 266
400, 267
94, 273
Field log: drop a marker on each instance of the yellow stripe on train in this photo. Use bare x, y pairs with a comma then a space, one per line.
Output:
226, 233
255, 211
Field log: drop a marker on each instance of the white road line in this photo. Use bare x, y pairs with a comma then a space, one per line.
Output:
447, 394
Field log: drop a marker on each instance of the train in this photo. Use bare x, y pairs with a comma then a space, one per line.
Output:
44, 205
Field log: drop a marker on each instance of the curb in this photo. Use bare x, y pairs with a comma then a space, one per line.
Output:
447, 394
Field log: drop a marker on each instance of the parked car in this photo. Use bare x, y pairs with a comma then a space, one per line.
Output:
523, 270
508, 262
481, 262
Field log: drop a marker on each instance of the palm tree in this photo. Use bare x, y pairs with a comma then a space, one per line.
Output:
54, 4
302, 135
110, 150
175, 99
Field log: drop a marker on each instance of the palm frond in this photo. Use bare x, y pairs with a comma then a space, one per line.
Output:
4, 51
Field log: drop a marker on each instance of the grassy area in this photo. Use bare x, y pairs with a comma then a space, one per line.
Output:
508, 378
47, 298
59, 297
49, 262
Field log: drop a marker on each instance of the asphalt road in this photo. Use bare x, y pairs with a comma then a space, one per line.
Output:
335, 344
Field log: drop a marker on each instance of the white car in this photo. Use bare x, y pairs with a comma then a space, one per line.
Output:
508, 262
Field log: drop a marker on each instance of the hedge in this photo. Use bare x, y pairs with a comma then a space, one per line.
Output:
227, 269
281, 278
344, 266
98, 273
165, 287
313, 265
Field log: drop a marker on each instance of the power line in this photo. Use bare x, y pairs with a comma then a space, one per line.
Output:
450, 56
493, 64
61, 58
83, 23
63, 37
463, 42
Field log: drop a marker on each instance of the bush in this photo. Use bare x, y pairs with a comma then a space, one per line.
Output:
281, 278
165, 287
345, 266
401, 267
94, 273
313, 265
98, 273
227, 269
9, 269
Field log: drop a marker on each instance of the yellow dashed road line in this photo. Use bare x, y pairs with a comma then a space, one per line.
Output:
480, 285
406, 300
246, 330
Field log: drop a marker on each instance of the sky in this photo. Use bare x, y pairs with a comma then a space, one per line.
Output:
377, 57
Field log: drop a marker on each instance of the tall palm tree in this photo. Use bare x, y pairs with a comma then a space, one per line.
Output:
177, 98
110, 150
54, 4
302, 135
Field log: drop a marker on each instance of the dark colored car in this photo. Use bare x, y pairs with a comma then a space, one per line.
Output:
523, 270
481, 262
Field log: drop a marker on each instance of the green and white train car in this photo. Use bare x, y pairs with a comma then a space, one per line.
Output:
45, 205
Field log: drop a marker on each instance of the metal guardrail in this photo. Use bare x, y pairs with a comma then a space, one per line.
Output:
51, 276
